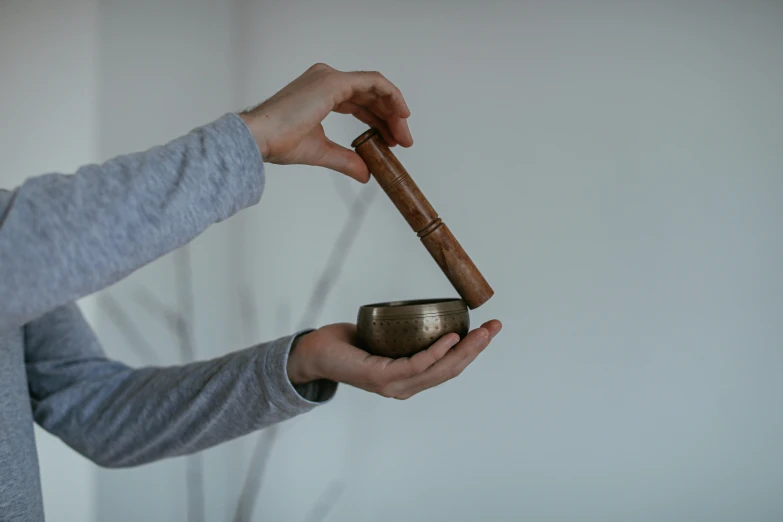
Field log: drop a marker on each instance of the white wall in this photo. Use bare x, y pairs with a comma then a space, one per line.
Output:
48, 122
616, 173
166, 67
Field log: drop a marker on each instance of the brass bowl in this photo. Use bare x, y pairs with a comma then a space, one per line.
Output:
403, 328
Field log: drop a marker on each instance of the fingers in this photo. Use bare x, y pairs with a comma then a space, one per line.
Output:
385, 375
376, 94
407, 367
366, 116
399, 129
365, 83
343, 160
451, 365
445, 359
331, 352
285, 125
493, 327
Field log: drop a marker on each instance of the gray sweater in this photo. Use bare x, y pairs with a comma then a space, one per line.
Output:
63, 237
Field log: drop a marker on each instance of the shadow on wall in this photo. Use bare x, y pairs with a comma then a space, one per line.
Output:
181, 319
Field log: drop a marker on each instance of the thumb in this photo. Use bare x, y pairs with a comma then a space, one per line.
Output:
338, 158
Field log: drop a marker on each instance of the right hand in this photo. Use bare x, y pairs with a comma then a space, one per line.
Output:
287, 127
331, 353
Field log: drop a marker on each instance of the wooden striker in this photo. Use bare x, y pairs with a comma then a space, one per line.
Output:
422, 218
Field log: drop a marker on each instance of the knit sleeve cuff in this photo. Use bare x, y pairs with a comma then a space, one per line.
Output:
240, 156
289, 398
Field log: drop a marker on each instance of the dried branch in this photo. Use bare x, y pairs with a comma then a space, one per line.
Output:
248, 315
194, 486
185, 304
340, 252
283, 317
318, 298
130, 331
344, 191
181, 323
326, 502
255, 474
184, 328
150, 303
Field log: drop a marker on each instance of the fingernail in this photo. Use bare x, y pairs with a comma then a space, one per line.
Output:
499, 330
453, 340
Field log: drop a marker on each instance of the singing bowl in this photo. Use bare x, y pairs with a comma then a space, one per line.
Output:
404, 328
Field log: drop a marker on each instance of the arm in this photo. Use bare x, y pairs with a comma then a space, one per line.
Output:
118, 416
89, 237
66, 236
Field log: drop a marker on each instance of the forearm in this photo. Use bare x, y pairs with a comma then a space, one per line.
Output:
65, 236
118, 416
133, 417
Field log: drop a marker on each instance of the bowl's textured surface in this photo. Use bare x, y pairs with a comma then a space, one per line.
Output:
403, 328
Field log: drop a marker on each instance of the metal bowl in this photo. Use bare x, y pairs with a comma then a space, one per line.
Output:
403, 328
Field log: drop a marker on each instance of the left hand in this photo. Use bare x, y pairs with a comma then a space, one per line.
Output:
331, 353
287, 127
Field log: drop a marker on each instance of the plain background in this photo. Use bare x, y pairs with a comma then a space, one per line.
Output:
615, 170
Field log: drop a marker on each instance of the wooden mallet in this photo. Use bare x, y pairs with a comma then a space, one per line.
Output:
422, 218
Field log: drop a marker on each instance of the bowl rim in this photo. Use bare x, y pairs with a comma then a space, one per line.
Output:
415, 308
406, 303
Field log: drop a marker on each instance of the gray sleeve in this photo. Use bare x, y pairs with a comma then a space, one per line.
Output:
118, 416
64, 236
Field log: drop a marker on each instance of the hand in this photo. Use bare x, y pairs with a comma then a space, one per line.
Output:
287, 127
330, 353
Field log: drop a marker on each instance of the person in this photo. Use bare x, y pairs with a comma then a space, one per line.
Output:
65, 236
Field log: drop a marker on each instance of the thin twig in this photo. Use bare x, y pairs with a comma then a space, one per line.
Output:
326, 502
331, 272
337, 258
313, 309
345, 193
137, 342
194, 474
185, 304
150, 303
283, 317
185, 323
255, 474
248, 315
